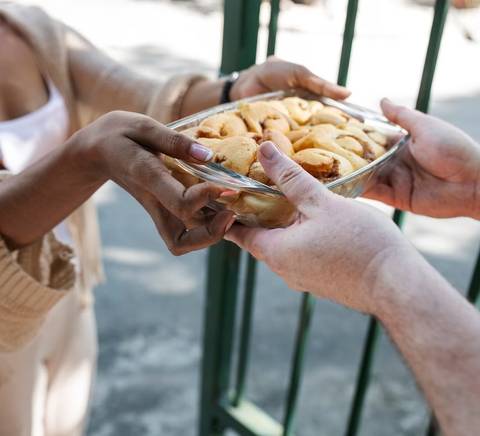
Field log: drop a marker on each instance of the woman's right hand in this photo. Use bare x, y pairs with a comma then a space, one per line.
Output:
126, 148
438, 174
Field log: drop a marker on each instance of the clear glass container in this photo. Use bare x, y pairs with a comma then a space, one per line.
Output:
266, 206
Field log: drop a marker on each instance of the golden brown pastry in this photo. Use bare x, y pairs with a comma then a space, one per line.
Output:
264, 210
370, 146
262, 115
257, 173
323, 164
351, 144
298, 109
329, 115
221, 126
236, 153
378, 138
280, 140
295, 135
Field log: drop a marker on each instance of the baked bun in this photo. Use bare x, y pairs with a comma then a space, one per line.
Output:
323, 164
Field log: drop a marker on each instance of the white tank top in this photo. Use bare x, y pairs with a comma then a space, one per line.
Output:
26, 139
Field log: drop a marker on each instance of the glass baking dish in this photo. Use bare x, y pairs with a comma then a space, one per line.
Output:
266, 206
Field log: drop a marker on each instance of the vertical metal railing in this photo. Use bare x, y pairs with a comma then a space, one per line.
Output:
223, 401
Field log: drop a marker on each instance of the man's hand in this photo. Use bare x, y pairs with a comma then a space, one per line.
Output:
335, 246
438, 174
276, 74
127, 148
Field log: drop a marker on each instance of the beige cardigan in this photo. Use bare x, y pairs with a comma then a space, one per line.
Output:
35, 278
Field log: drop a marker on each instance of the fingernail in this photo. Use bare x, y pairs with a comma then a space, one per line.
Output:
228, 193
268, 150
199, 152
229, 224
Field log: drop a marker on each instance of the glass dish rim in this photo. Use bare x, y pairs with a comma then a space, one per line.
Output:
351, 109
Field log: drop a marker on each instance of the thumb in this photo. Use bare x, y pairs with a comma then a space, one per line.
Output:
160, 139
300, 188
409, 119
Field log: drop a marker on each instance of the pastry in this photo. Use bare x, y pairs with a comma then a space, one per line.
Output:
236, 153
262, 115
323, 164
298, 109
222, 126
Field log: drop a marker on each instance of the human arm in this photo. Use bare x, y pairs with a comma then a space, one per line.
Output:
350, 253
125, 148
438, 173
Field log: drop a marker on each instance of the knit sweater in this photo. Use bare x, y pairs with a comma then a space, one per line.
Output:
34, 278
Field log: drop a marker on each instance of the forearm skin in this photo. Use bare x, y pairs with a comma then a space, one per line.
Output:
438, 333
202, 95
34, 201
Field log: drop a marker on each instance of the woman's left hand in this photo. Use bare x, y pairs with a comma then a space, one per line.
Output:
276, 74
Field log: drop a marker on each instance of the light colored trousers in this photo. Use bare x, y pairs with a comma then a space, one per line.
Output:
45, 387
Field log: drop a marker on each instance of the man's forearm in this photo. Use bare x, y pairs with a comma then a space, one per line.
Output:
204, 94
34, 201
437, 331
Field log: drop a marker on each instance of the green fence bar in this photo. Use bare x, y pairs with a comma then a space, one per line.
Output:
219, 321
348, 34
272, 26
301, 340
474, 287
436, 33
363, 377
238, 52
239, 48
245, 329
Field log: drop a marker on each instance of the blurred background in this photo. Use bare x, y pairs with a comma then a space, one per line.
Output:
150, 310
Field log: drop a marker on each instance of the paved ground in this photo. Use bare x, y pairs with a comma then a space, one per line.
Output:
150, 311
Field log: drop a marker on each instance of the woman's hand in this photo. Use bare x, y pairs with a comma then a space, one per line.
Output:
335, 247
127, 148
276, 74
438, 174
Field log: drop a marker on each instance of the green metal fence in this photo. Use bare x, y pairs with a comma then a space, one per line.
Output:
222, 400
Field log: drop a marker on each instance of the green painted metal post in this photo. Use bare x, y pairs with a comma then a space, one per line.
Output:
249, 292
239, 50
300, 348
474, 287
219, 321
348, 34
245, 329
436, 33
273, 26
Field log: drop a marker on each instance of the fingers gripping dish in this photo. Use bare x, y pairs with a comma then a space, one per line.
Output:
325, 141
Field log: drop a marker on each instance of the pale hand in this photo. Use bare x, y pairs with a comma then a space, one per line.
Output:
335, 246
438, 174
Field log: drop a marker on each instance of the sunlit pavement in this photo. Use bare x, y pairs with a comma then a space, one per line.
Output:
150, 311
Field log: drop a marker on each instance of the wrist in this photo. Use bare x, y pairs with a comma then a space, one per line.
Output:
201, 95
85, 160
390, 280
229, 90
